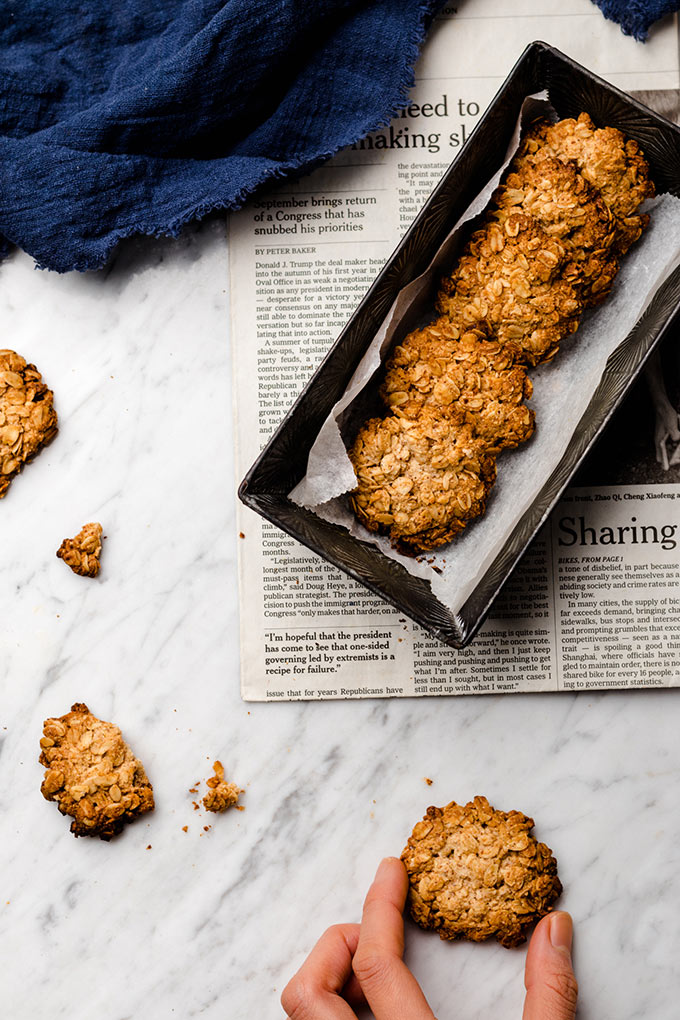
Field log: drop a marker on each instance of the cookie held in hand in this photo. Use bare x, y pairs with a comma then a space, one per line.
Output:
92, 774
476, 873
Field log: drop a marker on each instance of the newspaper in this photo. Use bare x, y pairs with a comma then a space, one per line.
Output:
595, 602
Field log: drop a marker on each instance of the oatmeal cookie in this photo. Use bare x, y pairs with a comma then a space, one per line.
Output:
82, 553
476, 375
476, 873
420, 477
567, 207
507, 283
221, 795
28, 420
92, 774
612, 163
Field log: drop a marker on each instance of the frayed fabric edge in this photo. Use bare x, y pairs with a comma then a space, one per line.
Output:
96, 260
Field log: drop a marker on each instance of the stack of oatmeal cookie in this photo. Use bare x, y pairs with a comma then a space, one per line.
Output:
548, 248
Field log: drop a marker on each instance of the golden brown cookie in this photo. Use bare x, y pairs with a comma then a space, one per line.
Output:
567, 207
92, 774
508, 283
28, 420
420, 478
476, 873
221, 795
480, 377
82, 553
612, 163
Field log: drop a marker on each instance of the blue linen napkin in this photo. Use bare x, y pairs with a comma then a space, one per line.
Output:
137, 116
636, 17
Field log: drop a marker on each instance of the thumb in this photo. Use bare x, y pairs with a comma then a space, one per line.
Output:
549, 979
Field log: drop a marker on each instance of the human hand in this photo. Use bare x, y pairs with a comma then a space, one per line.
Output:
355, 965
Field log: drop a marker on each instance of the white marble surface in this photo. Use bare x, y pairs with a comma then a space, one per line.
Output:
212, 924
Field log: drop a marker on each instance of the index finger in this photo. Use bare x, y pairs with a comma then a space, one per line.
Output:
315, 992
390, 988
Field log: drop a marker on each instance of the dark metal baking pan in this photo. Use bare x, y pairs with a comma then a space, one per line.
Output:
571, 89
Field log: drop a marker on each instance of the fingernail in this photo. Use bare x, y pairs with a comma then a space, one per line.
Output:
561, 931
385, 863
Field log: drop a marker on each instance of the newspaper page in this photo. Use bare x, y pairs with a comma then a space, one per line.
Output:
595, 601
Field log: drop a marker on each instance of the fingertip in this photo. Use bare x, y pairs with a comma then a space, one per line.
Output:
392, 873
552, 989
561, 930
382, 919
556, 929
388, 864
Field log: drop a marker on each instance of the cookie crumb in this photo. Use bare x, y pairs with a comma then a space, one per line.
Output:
185, 828
82, 553
428, 780
221, 795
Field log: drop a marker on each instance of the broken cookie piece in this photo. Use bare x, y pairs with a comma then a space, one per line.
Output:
82, 553
92, 774
221, 795
476, 873
28, 420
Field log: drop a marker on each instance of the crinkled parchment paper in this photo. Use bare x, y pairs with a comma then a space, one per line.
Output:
562, 390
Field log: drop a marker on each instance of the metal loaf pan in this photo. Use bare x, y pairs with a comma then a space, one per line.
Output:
283, 462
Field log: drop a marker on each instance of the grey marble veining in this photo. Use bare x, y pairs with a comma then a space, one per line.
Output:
162, 923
